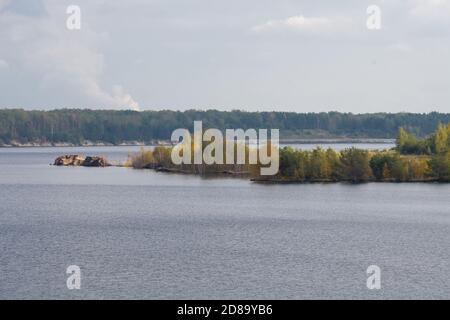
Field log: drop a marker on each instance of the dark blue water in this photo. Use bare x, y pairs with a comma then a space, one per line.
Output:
141, 234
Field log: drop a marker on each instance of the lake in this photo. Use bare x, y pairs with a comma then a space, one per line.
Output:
143, 234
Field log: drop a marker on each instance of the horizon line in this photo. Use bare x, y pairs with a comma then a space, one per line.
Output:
211, 109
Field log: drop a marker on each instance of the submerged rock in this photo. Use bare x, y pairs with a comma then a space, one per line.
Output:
76, 160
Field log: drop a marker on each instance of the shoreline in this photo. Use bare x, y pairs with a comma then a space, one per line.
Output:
168, 143
246, 176
71, 145
282, 181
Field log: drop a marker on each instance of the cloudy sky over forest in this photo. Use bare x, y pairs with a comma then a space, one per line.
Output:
290, 55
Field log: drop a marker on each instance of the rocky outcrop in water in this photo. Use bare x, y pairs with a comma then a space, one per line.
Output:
95, 162
69, 160
76, 160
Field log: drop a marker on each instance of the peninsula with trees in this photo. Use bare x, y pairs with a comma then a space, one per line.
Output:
411, 160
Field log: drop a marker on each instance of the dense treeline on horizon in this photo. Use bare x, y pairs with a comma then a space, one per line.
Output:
76, 125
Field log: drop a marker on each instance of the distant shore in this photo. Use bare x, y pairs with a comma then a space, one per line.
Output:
337, 141
86, 144
16, 144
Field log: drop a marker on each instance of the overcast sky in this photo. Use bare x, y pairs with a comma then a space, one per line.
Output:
286, 55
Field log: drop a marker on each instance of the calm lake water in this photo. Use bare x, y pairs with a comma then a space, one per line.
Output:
142, 234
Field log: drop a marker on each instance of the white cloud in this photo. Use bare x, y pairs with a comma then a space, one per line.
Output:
303, 24
62, 59
79, 67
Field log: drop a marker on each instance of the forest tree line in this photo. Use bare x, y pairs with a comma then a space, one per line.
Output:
76, 125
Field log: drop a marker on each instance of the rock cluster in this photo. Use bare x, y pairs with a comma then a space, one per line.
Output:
76, 160
95, 162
